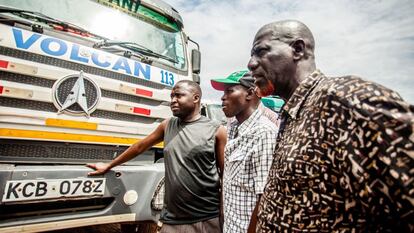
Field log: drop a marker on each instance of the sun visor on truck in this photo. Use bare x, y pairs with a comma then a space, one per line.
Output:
154, 12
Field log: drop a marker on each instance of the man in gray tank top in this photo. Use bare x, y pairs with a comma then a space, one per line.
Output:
194, 158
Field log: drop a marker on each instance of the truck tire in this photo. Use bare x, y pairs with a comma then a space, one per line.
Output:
141, 227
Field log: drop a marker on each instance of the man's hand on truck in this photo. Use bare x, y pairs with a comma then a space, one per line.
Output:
100, 168
134, 150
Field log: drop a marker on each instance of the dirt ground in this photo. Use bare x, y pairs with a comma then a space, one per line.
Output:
107, 228
144, 227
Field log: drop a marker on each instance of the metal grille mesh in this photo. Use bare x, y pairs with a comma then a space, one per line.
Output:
57, 150
27, 104
12, 77
64, 152
130, 98
49, 107
15, 211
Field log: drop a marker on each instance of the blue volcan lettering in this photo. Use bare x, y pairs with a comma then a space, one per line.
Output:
96, 61
138, 68
122, 63
18, 39
74, 54
56, 47
45, 46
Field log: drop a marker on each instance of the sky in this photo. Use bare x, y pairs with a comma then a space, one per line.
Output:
373, 39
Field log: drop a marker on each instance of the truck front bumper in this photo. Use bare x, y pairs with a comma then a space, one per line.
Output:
127, 195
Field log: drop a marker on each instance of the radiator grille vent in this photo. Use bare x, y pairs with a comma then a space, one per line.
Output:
27, 151
49, 107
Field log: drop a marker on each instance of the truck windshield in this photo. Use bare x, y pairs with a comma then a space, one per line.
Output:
113, 24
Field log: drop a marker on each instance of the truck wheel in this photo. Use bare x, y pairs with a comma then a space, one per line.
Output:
141, 227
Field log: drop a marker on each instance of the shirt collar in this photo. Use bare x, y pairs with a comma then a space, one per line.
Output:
295, 102
249, 122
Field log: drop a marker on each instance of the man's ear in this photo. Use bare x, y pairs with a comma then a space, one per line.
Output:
196, 98
251, 93
298, 49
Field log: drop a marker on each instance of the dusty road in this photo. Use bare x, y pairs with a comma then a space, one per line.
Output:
107, 228
144, 227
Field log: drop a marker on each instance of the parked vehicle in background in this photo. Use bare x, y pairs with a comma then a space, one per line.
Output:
80, 81
213, 111
275, 103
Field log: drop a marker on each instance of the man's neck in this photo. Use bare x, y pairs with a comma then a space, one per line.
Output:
244, 115
192, 117
302, 72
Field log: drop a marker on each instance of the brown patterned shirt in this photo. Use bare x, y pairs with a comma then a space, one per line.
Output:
344, 160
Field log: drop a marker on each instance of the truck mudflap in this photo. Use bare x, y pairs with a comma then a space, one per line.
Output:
37, 198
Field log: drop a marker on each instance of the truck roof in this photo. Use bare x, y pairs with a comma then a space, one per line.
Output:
164, 8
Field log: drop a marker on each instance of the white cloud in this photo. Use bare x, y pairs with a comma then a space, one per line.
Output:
373, 39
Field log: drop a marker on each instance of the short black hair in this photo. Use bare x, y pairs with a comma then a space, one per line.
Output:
193, 85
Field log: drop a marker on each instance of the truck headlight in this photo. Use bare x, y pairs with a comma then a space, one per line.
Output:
130, 197
157, 201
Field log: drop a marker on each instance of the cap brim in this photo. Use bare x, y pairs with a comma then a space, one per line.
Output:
222, 84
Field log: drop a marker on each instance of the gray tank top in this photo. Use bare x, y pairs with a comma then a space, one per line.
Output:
191, 177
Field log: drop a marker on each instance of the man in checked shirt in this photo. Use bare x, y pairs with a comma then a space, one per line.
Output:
249, 151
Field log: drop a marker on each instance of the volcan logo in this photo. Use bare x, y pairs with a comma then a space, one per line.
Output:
76, 94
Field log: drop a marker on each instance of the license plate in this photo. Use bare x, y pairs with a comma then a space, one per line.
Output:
25, 190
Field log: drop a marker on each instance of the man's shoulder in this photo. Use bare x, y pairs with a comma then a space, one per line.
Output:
354, 89
358, 95
351, 86
204, 119
171, 120
264, 125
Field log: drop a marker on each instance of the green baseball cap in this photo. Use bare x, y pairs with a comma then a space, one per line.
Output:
242, 77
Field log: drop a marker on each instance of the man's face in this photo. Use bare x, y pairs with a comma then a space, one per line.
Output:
271, 63
234, 100
183, 100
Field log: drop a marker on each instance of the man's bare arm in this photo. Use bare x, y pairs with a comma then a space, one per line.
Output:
134, 150
221, 140
253, 218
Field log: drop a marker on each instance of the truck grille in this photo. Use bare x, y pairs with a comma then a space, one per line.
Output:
12, 77
18, 211
36, 151
63, 152
49, 107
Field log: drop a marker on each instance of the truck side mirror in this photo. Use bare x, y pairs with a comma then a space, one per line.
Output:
196, 60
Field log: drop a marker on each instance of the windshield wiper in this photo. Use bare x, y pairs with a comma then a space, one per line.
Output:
45, 19
133, 47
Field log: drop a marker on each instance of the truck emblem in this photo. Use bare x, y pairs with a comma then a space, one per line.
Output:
76, 94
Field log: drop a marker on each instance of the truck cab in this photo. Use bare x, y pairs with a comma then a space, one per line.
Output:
80, 81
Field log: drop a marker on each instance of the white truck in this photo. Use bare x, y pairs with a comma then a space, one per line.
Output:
80, 81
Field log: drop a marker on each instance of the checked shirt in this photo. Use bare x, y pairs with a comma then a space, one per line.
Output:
248, 157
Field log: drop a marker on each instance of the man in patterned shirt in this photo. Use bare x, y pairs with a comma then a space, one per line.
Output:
248, 153
344, 157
